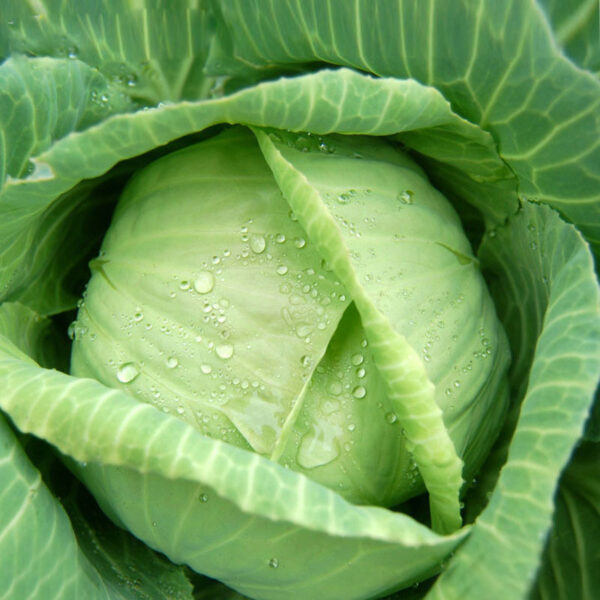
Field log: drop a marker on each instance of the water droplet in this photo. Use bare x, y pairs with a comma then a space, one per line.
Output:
318, 447
184, 285
359, 392
273, 563
280, 238
305, 361
172, 362
326, 148
351, 427
127, 372
456, 383
180, 410
391, 418
138, 316
224, 351
205, 282
406, 197
360, 373
304, 329
302, 143
357, 359
533, 245
75, 330
203, 498
206, 369
300, 242
282, 270
335, 388
257, 243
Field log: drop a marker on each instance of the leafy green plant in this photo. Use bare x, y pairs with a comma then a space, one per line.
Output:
299, 297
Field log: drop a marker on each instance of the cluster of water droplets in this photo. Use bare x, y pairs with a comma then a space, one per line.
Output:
306, 142
201, 354
339, 399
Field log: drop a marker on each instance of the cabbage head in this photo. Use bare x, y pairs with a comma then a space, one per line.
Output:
298, 300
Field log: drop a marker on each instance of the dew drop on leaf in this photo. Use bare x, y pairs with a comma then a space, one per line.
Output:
335, 388
224, 351
204, 282
359, 392
127, 372
304, 329
406, 197
257, 244
357, 359
391, 418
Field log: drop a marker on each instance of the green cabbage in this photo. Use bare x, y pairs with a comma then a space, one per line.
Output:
298, 300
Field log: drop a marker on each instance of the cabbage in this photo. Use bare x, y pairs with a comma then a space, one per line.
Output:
298, 300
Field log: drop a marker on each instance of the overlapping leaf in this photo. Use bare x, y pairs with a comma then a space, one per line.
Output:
341, 101
557, 269
541, 109
225, 499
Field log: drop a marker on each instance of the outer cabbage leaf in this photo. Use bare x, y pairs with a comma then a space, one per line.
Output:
228, 502
557, 269
341, 101
63, 549
572, 553
575, 25
540, 108
149, 53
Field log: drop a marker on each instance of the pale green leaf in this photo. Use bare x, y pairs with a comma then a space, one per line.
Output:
558, 268
342, 101
40, 556
503, 71
211, 505
408, 386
